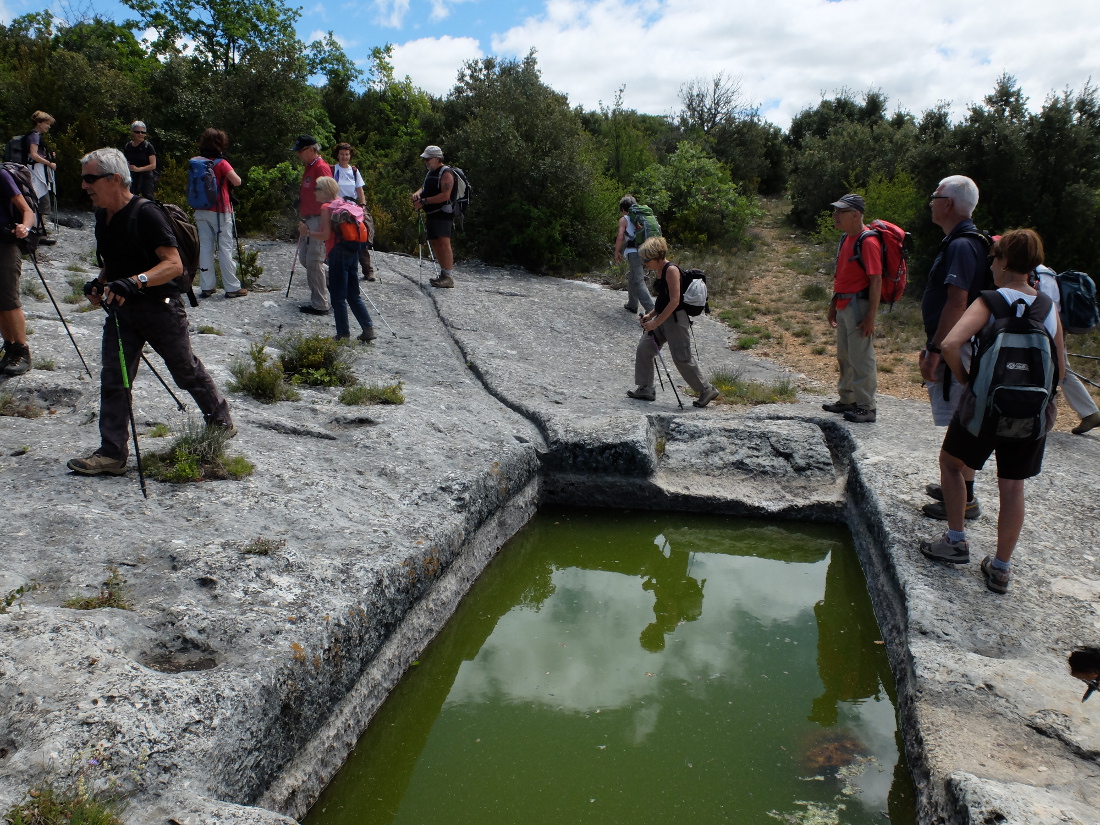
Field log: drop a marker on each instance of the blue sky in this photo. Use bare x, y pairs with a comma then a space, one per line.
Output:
786, 53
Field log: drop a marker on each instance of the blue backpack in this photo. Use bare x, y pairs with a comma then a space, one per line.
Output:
202, 183
1077, 294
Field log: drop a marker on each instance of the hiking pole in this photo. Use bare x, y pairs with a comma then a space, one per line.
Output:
129, 400
420, 232
660, 357
53, 199
376, 309
179, 404
34, 259
1086, 380
293, 265
1090, 357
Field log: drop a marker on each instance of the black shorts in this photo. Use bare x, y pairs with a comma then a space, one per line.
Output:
440, 225
1016, 459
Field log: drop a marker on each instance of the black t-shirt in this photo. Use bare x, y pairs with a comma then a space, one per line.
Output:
128, 244
961, 262
138, 155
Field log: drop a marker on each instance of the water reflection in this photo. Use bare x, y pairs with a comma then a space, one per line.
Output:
587, 678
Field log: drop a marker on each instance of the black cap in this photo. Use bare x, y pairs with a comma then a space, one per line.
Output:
303, 142
855, 202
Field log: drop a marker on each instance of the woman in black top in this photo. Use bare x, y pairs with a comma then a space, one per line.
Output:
142, 158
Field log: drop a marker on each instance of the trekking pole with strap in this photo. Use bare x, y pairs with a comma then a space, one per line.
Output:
51, 179
179, 404
420, 244
236, 235
661, 358
34, 260
297, 246
1086, 380
376, 309
129, 400
1090, 357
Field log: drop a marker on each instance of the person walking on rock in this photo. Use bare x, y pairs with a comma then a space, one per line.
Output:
216, 224
959, 272
434, 198
142, 158
856, 290
141, 262
18, 221
1015, 256
312, 253
343, 260
627, 244
351, 189
666, 323
43, 166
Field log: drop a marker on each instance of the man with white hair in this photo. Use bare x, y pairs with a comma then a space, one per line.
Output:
959, 273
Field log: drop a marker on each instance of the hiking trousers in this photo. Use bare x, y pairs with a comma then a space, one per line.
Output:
311, 252
163, 324
856, 356
676, 332
636, 289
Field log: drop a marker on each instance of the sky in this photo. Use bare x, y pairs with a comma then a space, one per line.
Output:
786, 54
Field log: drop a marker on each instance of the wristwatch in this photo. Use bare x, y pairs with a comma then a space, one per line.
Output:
143, 280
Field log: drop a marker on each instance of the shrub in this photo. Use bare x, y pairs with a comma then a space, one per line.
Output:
49, 806
736, 390
260, 377
198, 454
30, 289
263, 546
815, 292
316, 360
373, 394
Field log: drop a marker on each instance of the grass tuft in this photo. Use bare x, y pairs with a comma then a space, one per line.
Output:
205, 329
45, 805
317, 360
198, 454
737, 390
261, 546
112, 593
18, 407
373, 394
260, 377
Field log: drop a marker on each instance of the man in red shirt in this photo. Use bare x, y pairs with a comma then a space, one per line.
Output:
312, 253
856, 291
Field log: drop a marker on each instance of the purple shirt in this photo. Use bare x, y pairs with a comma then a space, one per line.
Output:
8, 190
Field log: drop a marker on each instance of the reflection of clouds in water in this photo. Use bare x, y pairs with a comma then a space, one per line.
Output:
581, 651
873, 722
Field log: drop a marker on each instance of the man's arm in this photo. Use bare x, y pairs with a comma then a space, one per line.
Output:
620, 239
169, 267
952, 311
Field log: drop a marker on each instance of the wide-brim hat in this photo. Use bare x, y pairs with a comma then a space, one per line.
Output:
432, 152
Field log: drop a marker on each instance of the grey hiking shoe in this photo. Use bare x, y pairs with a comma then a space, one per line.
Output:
17, 360
838, 407
442, 282
367, 335
97, 464
1087, 423
861, 415
996, 580
643, 393
937, 509
943, 550
709, 394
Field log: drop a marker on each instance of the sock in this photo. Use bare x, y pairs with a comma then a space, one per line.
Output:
969, 490
955, 536
1001, 565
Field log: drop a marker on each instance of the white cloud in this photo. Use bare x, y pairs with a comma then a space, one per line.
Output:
433, 62
790, 52
321, 34
391, 13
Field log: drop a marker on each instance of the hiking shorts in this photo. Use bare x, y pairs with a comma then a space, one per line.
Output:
943, 409
1016, 459
11, 267
440, 225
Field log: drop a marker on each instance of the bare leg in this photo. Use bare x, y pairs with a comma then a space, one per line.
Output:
1011, 519
13, 326
441, 248
954, 490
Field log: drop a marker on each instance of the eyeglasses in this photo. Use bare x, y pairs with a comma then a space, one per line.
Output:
941, 197
139, 132
90, 179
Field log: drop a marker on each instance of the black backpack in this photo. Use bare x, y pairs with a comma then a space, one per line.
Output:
1014, 372
187, 239
22, 176
694, 299
18, 149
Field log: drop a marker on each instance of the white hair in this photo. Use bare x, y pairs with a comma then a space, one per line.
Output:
110, 162
963, 193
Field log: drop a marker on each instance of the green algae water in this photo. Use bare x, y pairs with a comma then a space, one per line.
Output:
635, 667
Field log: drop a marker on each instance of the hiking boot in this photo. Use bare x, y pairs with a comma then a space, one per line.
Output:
367, 335
97, 464
996, 580
442, 282
310, 309
6, 358
18, 359
370, 276
630, 309
1087, 423
937, 509
230, 430
206, 293
47, 241
643, 393
709, 394
839, 407
240, 293
861, 415
943, 550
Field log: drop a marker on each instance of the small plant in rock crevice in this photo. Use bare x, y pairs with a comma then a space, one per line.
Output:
198, 454
261, 377
112, 593
15, 597
316, 360
361, 394
737, 390
261, 546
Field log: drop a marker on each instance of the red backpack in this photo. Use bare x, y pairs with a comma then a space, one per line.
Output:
896, 243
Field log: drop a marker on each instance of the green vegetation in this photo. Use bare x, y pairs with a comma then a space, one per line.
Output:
48, 806
198, 454
112, 593
206, 329
18, 406
261, 546
158, 431
317, 360
737, 390
815, 292
30, 289
15, 597
76, 289
261, 377
373, 394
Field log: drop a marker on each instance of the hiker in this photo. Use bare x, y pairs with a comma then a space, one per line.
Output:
216, 223
434, 198
142, 158
1076, 394
852, 311
312, 254
959, 272
666, 322
18, 220
137, 285
343, 260
1019, 455
626, 243
351, 189
43, 168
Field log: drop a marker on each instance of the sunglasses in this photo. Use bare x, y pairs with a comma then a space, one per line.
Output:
138, 132
90, 179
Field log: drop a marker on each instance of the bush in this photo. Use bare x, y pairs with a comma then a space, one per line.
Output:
198, 454
316, 360
260, 377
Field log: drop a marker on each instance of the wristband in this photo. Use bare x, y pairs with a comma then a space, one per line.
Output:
933, 348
